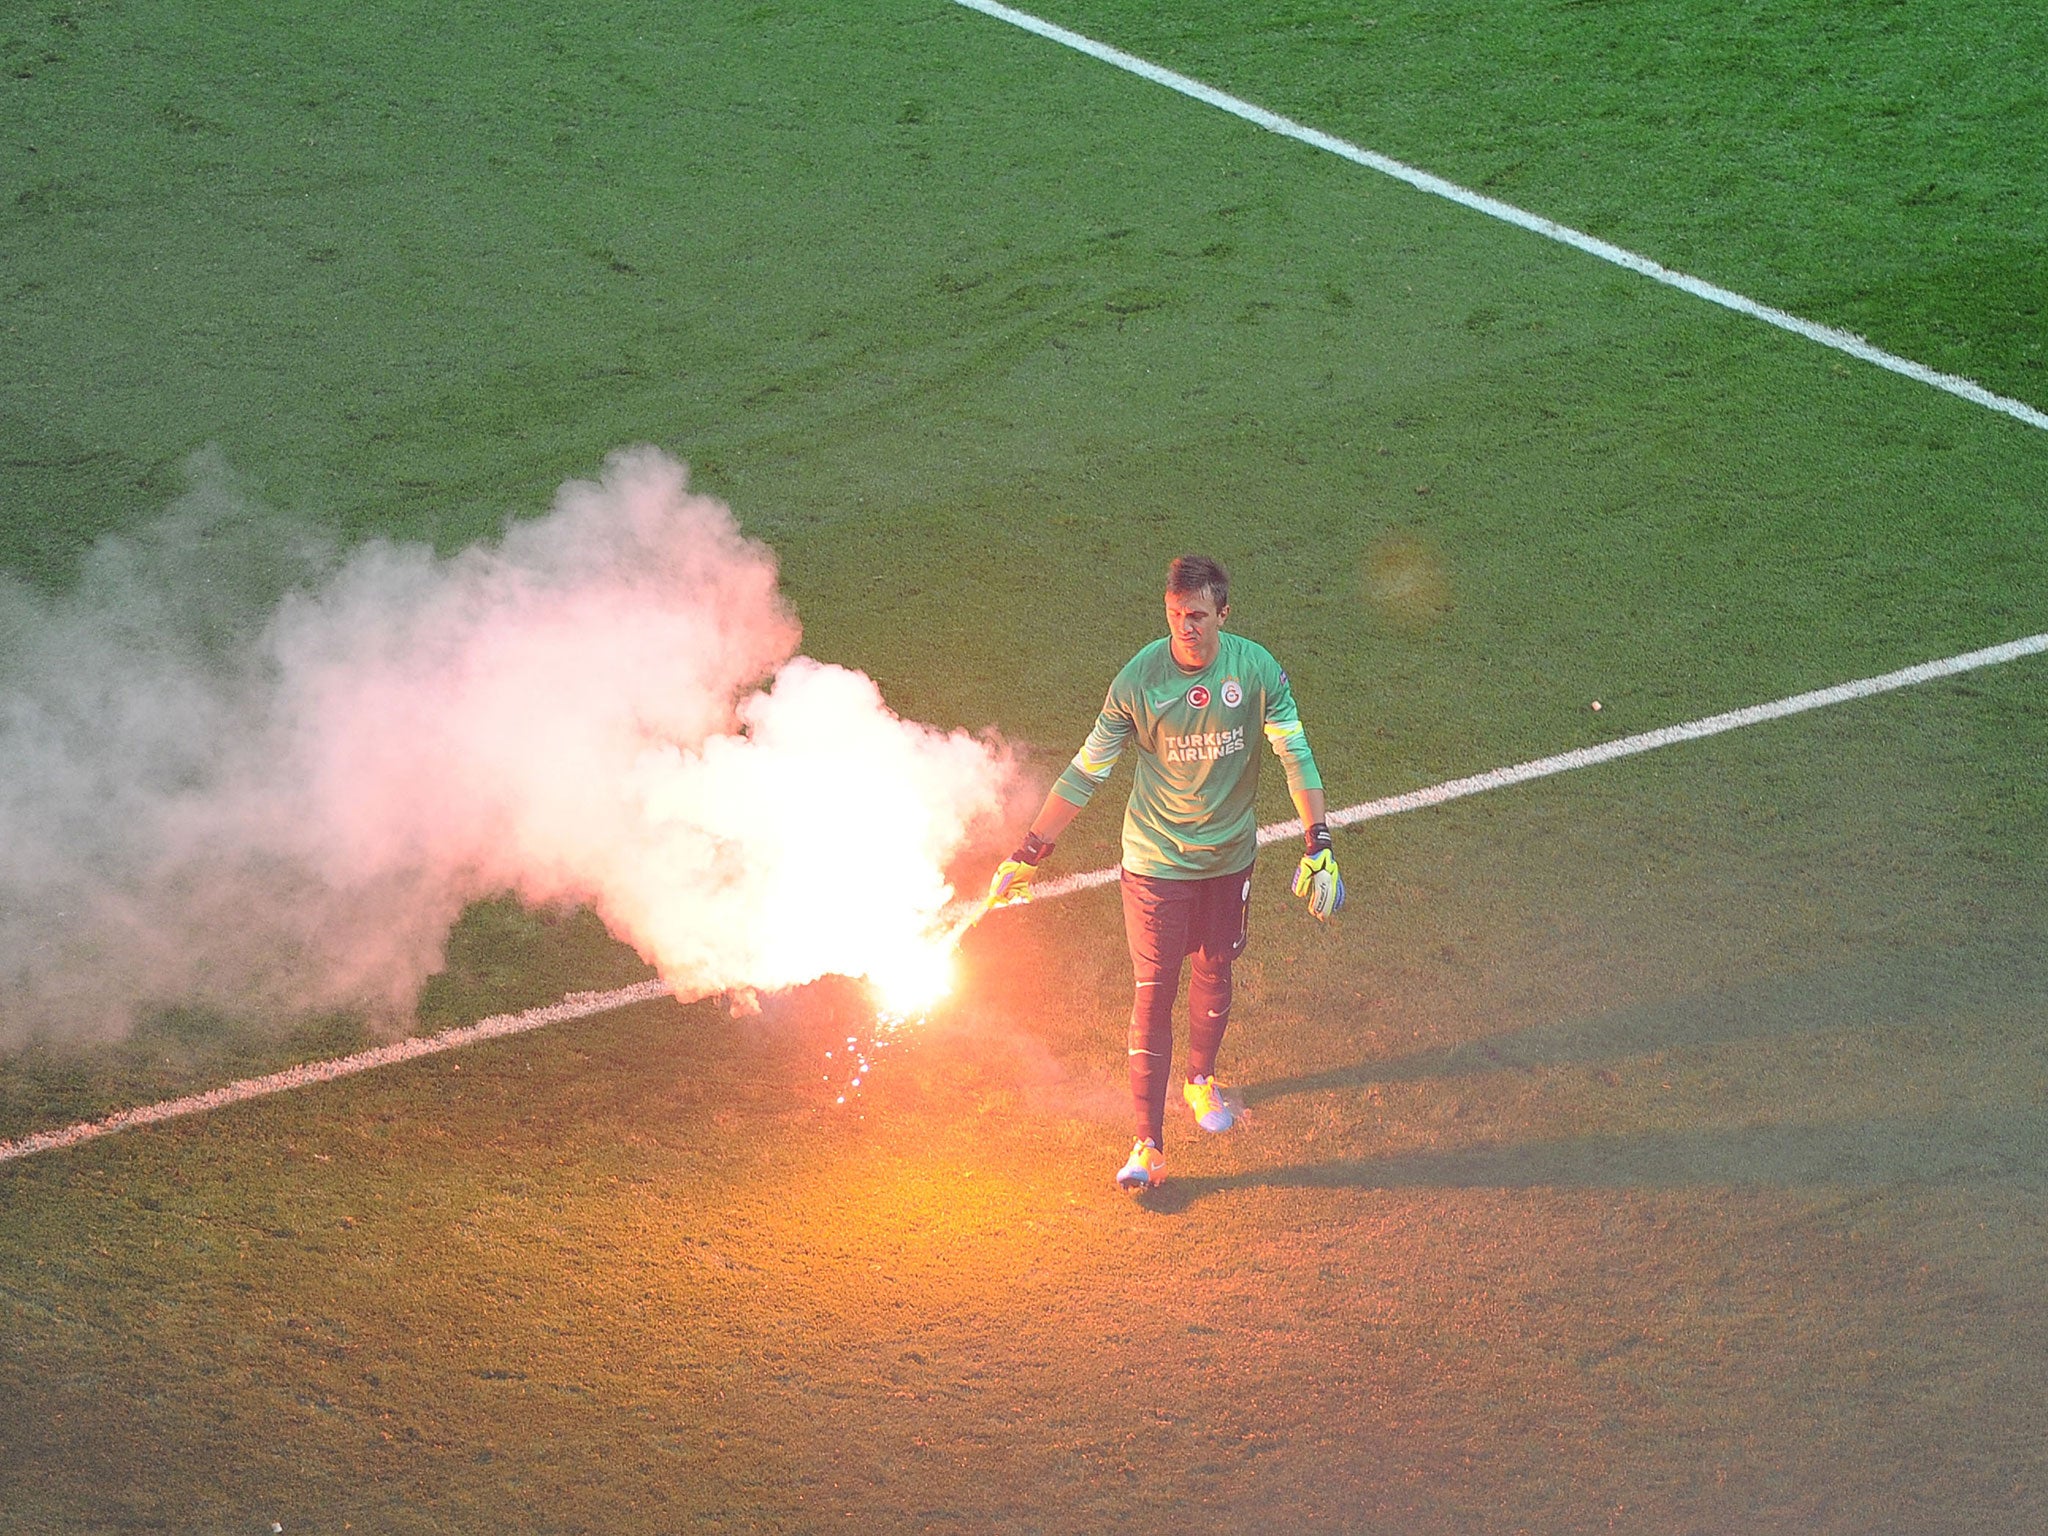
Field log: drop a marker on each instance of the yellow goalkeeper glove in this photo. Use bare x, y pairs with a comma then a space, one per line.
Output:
1317, 879
1011, 886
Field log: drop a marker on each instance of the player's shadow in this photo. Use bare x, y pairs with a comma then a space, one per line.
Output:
1924, 988
1967, 1147
1891, 987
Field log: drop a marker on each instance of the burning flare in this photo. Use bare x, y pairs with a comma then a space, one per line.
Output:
238, 765
915, 977
820, 831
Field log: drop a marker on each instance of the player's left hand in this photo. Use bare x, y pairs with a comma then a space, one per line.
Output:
1317, 880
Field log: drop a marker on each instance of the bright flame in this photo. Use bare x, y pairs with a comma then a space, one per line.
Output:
915, 978
811, 843
906, 984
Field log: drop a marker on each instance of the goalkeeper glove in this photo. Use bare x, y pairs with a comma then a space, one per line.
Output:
1011, 886
1317, 878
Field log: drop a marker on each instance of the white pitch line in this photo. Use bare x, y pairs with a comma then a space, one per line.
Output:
1846, 342
1623, 746
577, 1005
581, 1005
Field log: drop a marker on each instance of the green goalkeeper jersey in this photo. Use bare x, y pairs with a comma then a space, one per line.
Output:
1193, 809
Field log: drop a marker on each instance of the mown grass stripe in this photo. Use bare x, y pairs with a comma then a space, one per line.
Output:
1845, 342
580, 1005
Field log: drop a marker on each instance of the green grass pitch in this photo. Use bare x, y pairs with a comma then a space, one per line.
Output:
1657, 1148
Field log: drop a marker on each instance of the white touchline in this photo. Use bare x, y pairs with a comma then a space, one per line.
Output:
577, 1005
581, 1005
1624, 746
1842, 341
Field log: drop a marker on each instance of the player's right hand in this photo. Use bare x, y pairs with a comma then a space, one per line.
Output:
1011, 886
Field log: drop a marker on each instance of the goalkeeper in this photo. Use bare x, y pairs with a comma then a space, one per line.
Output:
1191, 704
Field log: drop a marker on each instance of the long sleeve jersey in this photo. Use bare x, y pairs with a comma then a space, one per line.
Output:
1193, 812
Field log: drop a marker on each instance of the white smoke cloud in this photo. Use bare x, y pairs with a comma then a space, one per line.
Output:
240, 767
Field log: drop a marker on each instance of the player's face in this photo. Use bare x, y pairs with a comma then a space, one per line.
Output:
1194, 623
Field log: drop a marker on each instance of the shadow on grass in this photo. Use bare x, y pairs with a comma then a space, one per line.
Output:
1925, 984
1893, 1151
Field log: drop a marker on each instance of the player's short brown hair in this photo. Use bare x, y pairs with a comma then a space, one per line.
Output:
1194, 573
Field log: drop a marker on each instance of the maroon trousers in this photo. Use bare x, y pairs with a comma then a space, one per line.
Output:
1165, 922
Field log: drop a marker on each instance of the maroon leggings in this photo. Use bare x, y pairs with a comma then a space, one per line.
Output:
1166, 921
